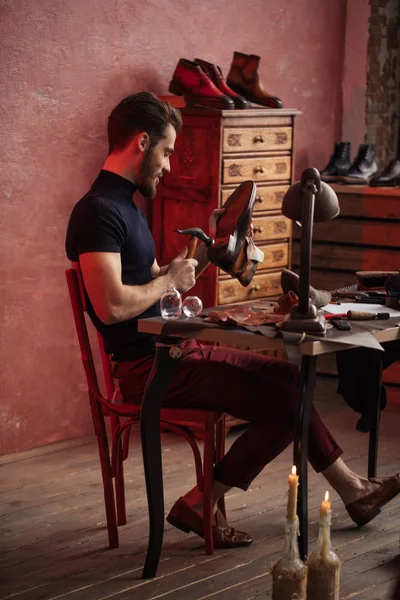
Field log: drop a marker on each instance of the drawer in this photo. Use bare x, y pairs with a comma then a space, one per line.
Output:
276, 256
258, 168
261, 286
267, 198
248, 139
271, 228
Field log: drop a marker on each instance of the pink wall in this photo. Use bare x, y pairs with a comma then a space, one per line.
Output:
355, 73
64, 65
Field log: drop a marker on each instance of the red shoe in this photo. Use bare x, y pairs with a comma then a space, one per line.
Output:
215, 74
190, 81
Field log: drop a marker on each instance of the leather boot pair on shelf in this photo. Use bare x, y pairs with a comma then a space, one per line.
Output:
202, 84
340, 169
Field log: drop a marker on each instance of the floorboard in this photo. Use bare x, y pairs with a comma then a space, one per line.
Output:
53, 538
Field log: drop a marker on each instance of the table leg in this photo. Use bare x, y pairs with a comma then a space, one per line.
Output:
374, 432
164, 367
300, 455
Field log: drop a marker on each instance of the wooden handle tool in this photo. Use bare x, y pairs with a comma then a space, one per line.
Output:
192, 247
357, 315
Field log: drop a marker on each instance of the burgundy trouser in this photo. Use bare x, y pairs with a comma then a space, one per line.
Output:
256, 388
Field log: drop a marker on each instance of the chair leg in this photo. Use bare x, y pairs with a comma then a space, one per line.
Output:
219, 454
120, 490
208, 464
104, 454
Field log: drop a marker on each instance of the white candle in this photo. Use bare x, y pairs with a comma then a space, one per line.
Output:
325, 520
292, 498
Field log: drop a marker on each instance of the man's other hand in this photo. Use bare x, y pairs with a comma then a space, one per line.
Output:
181, 271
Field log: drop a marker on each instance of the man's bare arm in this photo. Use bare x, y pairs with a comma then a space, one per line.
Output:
113, 301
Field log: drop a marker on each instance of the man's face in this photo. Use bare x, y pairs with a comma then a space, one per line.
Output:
155, 163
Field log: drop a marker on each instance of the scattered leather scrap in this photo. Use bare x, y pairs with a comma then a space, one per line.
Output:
243, 315
285, 303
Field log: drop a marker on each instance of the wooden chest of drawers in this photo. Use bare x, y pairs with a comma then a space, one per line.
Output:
215, 151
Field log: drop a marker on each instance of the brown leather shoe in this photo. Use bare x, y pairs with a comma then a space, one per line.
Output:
244, 78
365, 509
186, 519
215, 74
234, 250
190, 81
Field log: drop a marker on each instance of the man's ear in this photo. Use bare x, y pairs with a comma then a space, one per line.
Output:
144, 141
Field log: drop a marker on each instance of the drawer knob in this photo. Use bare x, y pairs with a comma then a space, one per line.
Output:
255, 288
259, 199
259, 138
258, 229
259, 170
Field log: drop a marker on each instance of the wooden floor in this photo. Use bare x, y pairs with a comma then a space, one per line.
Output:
54, 542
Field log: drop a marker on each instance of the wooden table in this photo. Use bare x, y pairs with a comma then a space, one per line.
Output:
166, 364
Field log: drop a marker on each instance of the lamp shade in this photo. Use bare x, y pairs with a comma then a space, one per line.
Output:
326, 205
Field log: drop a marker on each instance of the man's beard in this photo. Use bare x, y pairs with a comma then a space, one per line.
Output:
146, 176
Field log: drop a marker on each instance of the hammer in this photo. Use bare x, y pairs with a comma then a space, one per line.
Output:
197, 234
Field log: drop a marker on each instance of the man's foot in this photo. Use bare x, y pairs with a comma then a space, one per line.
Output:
368, 506
185, 518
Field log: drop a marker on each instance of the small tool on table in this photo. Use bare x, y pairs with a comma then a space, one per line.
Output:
356, 315
197, 234
341, 320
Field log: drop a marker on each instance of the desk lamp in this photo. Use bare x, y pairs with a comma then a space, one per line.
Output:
307, 202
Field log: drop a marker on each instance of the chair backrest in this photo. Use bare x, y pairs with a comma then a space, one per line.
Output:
78, 302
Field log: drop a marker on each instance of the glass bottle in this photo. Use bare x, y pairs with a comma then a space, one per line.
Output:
171, 304
289, 574
192, 306
323, 579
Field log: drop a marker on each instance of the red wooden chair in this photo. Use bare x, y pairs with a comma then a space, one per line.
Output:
123, 416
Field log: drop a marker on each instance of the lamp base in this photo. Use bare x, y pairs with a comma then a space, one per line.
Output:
313, 326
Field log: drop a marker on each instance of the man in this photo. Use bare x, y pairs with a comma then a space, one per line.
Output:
109, 236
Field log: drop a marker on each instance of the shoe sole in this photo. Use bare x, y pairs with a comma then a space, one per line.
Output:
391, 185
273, 103
351, 181
217, 546
196, 101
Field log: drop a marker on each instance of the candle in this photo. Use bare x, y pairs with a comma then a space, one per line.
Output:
292, 498
325, 507
325, 521
323, 579
289, 574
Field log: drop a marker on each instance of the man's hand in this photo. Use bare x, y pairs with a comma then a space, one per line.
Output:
181, 272
212, 221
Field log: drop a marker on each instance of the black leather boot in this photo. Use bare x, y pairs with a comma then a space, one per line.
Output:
389, 177
363, 167
339, 163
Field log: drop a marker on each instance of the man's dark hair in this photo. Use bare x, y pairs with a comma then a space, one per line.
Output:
141, 112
